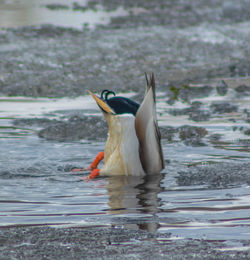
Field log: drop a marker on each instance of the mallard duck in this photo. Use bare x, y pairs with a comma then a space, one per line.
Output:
133, 145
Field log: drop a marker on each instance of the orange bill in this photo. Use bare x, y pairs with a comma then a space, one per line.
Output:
104, 106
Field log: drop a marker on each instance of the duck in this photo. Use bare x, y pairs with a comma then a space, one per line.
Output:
133, 146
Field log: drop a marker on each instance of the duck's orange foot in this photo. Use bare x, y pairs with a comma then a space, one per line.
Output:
81, 169
92, 166
92, 175
97, 160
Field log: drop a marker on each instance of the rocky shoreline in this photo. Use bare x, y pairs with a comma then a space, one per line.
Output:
108, 243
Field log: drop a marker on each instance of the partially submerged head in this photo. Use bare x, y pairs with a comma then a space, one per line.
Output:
115, 105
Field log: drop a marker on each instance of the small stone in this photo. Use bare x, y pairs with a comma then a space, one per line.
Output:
192, 135
223, 107
215, 137
247, 132
243, 90
199, 116
222, 88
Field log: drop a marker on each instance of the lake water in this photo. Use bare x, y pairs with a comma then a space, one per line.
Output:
66, 13
35, 189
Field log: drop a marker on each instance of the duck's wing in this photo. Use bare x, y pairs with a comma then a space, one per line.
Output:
147, 131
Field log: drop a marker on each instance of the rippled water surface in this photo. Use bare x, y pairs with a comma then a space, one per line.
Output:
36, 186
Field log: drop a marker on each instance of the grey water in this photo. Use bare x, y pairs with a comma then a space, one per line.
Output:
38, 188
69, 13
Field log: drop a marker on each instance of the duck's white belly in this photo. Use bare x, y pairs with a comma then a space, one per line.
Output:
122, 149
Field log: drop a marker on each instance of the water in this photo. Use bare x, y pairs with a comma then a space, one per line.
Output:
36, 189
67, 13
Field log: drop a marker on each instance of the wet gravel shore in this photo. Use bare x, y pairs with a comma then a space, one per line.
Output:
107, 243
54, 62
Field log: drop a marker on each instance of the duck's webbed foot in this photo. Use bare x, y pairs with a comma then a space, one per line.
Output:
93, 167
92, 175
81, 169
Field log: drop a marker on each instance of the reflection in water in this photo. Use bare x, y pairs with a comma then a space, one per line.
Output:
133, 194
